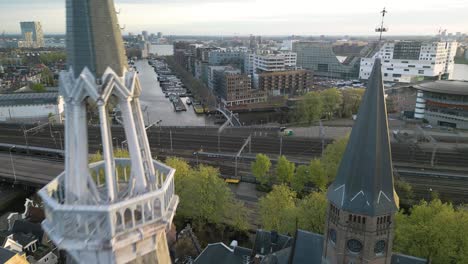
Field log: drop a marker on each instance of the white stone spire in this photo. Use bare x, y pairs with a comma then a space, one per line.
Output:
116, 210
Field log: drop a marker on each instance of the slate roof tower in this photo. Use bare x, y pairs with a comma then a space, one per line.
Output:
362, 199
115, 210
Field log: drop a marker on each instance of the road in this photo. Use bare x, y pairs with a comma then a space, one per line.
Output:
32, 170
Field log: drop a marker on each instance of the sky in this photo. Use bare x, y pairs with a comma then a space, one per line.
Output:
258, 17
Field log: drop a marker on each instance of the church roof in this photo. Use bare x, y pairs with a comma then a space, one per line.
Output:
220, 253
364, 183
94, 39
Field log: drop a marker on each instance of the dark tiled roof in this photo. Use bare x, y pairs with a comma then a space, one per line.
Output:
28, 99
267, 242
24, 239
404, 259
23, 226
3, 236
445, 87
307, 248
279, 257
220, 253
6, 254
364, 183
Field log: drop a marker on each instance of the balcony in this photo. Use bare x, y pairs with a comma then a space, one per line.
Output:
97, 224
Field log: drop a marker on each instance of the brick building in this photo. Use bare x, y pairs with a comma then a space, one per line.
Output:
285, 82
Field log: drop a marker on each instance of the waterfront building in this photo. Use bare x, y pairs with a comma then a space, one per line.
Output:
32, 35
115, 210
443, 103
362, 203
318, 56
412, 61
239, 90
248, 63
216, 76
290, 82
226, 57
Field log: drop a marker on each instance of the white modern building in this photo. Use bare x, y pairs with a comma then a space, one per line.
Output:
411, 61
274, 62
31, 107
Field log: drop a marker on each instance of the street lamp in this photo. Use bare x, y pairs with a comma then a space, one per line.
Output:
159, 134
13, 164
60, 139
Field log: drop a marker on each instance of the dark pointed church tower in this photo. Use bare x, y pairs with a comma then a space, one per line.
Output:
362, 200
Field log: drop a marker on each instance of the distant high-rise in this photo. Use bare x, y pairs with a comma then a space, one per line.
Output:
32, 34
145, 35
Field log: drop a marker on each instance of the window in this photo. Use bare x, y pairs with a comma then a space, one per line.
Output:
396, 75
390, 69
421, 71
407, 70
332, 234
426, 67
411, 66
379, 247
354, 246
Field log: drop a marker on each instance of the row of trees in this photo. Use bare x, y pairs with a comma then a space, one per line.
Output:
319, 172
327, 104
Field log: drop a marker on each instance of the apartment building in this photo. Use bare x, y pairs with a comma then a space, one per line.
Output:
412, 61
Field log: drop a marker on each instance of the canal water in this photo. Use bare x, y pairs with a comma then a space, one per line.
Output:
157, 107
460, 72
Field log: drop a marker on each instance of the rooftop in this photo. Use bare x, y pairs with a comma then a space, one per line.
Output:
15, 99
446, 87
6, 254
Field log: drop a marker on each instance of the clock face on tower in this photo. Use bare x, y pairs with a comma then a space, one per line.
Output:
379, 247
354, 245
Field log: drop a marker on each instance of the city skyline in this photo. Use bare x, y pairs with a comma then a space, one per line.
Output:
209, 17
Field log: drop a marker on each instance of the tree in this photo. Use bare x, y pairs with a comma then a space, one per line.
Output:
404, 190
301, 178
308, 109
278, 210
205, 197
38, 87
311, 212
351, 101
435, 231
285, 170
261, 168
332, 158
318, 175
47, 77
331, 99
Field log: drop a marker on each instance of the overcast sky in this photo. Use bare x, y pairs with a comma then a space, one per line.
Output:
266, 17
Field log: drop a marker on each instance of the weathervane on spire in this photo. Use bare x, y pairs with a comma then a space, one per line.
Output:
382, 29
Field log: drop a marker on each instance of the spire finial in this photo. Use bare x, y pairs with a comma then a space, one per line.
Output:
382, 29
